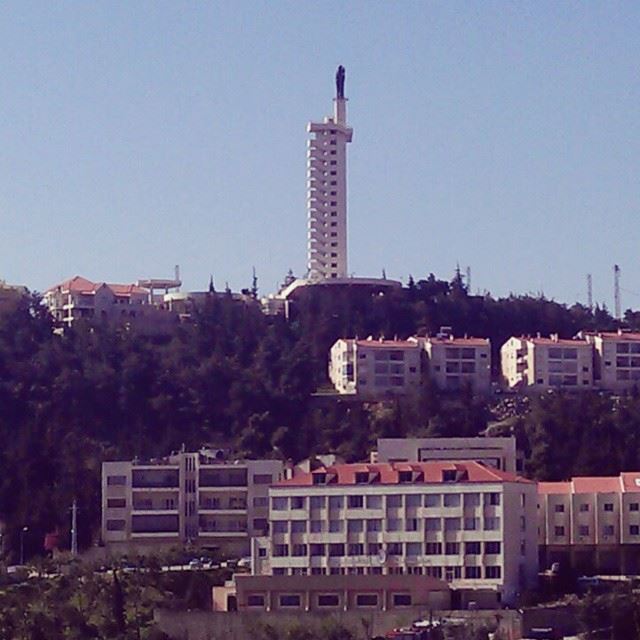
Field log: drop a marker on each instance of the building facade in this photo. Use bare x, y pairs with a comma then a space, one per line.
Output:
499, 453
327, 190
616, 359
546, 363
127, 305
11, 295
202, 498
375, 368
458, 363
591, 524
463, 522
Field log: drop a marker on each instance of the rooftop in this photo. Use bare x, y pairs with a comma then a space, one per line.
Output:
626, 482
392, 473
78, 284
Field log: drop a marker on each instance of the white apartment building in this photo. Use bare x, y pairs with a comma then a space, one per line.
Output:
327, 190
469, 524
375, 368
616, 359
202, 498
547, 363
129, 305
458, 363
499, 453
591, 524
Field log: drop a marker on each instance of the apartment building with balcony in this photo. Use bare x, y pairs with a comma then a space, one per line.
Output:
539, 364
204, 499
591, 524
463, 522
458, 363
616, 359
375, 368
127, 305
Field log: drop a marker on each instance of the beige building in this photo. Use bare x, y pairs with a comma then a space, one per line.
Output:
495, 452
375, 368
546, 363
616, 359
464, 522
203, 498
459, 363
591, 524
129, 305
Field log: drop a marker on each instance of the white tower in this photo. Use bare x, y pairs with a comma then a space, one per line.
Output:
327, 190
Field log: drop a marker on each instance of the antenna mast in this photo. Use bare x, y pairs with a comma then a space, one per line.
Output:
616, 292
589, 292
468, 279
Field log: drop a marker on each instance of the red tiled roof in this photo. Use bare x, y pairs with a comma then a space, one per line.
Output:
388, 473
619, 337
624, 483
554, 487
630, 481
78, 284
607, 484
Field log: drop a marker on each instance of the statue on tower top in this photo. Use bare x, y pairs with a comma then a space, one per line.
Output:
340, 74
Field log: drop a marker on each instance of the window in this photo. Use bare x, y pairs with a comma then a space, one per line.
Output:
116, 503
335, 526
405, 476
472, 548
355, 502
433, 549
393, 524
559, 508
116, 481
491, 524
411, 524
289, 600
634, 530
280, 526
451, 548
315, 526
471, 524
373, 548
374, 502
367, 600
116, 525
432, 500
608, 530
608, 506
317, 550
414, 549
492, 573
356, 549
255, 600
413, 501
279, 571
492, 548
336, 502
317, 502
362, 477
451, 500
584, 507
299, 550
260, 523
298, 526
394, 501
355, 526
328, 600
471, 500
452, 573
559, 532
401, 599
472, 573
452, 524
280, 550
260, 502
374, 526
262, 478
634, 506
394, 548
336, 550
583, 530
297, 502
432, 524
279, 504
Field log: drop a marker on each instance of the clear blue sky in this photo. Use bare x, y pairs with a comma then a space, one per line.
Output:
139, 135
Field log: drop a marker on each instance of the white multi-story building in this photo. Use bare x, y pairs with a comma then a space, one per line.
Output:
467, 523
327, 190
457, 363
201, 498
616, 359
591, 524
547, 363
375, 368
495, 452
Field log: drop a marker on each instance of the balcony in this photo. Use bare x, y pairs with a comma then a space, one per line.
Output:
156, 478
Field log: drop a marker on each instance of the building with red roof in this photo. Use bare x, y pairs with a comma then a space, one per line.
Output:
469, 524
591, 524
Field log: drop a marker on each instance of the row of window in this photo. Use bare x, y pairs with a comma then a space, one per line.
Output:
449, 573
330, 600
375, 525
607, 530
585, 507
170, 479
395, 501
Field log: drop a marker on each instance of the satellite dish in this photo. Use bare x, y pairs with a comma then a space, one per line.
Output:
382, 556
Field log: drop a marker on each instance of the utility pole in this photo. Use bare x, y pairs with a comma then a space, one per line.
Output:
616, 292
74, 528
589, 292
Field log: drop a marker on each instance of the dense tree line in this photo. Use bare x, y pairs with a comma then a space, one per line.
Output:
239, 378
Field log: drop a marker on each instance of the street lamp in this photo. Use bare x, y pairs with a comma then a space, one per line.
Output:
22, 532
